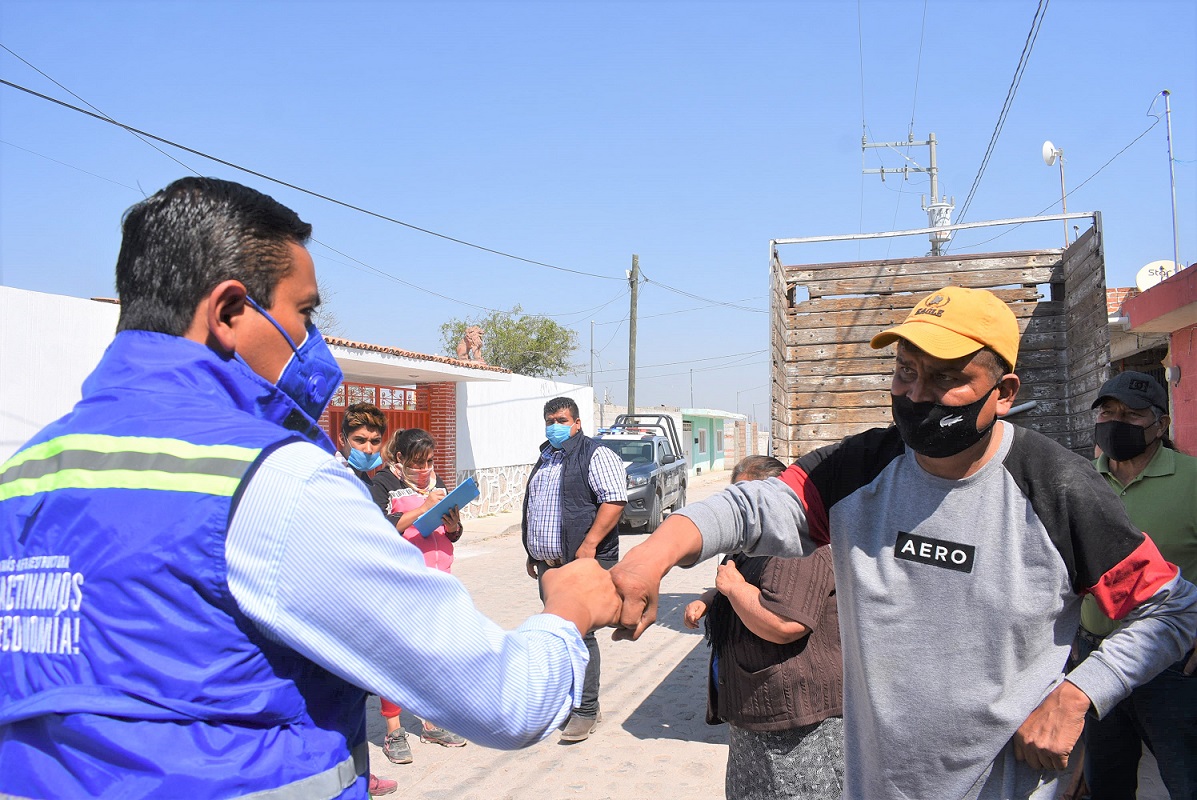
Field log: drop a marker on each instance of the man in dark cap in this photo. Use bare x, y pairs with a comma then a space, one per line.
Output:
1158, 486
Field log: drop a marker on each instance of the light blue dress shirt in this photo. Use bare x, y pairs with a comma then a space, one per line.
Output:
316, 566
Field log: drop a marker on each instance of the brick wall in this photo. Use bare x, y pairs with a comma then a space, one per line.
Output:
442, 402
1116, 297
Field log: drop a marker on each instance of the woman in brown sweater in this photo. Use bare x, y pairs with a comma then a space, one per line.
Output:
776, 673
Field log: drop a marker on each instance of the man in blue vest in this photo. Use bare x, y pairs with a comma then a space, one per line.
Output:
574, 499
192, 589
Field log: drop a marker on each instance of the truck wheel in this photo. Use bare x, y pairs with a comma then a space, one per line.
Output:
654, 515
681, 499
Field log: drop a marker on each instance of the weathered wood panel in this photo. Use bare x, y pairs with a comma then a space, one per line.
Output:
930, 266
829, 328
830, 383
876, 399
1029, 276
824, 305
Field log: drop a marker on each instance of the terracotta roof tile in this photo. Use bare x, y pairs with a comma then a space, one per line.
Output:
395, 351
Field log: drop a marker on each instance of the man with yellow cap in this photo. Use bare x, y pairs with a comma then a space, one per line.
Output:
962, 546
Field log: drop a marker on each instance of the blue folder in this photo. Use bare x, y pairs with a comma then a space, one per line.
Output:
430, 520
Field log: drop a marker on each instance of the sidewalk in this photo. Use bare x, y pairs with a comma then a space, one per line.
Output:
653, 741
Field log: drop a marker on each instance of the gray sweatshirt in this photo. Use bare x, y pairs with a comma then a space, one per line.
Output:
959, 600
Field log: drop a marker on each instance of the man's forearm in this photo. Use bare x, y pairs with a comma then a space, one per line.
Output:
1154, 635
605, 521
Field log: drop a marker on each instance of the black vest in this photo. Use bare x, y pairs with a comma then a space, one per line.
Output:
579, 503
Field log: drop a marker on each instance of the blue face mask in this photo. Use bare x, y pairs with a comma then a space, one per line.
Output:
557, 434
312, 375
363, 462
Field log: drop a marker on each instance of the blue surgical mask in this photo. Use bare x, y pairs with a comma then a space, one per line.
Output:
557, 434
363, 462
311, 376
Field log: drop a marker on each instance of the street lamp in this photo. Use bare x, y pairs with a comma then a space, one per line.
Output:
1050, 154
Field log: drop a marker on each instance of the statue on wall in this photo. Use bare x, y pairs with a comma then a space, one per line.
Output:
470, 346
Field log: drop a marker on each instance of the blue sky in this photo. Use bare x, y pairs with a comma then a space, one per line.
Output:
579, 133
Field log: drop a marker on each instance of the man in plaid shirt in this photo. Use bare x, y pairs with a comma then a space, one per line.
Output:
574, 499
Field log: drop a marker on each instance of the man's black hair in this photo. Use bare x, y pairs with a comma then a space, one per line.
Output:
558, 403
182, 242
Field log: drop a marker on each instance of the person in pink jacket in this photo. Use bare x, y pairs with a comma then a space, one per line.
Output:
408, 487
405, 489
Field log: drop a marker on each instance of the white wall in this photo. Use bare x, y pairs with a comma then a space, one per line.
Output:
502, 424
48, 344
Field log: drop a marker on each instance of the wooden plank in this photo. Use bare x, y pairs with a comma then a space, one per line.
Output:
881, 364
1084, 249
1077, 291
947, 268
1048, 426
836, 352
919, 283
838, 383
827, 433
933, 263
823, 305
870, 417
862, 350
816, 399
847, 328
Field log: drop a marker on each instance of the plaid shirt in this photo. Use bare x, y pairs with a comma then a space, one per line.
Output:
606, 477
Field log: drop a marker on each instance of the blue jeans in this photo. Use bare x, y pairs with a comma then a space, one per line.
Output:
1161, 713
590, 683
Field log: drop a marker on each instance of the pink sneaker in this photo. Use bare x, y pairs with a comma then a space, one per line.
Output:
380, 786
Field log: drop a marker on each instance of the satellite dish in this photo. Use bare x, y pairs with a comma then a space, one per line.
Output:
1153, 273
1049, 153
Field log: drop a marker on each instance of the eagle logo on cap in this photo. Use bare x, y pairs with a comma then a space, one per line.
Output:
937, 300
933, 305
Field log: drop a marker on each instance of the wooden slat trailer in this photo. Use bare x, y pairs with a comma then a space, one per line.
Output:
828, 383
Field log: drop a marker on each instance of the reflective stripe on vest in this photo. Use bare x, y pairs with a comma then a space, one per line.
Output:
330, 783
96, 461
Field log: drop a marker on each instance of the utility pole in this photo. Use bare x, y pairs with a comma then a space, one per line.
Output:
939, 210
634, 282
1176, 265
591, 354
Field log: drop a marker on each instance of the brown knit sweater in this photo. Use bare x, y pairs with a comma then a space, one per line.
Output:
769, 687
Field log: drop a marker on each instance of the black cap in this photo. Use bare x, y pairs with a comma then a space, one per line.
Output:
1135, 389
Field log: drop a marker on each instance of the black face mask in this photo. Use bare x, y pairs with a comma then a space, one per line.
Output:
938, 431
1121, 441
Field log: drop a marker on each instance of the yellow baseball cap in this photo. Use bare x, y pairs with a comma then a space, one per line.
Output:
954, 322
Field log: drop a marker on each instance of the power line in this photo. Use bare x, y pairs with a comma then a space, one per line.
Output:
367, 267
98, 111
747, 354
687, 372
301, 189
69, 166
918, 69
684, 293
1074, 189
1028, 45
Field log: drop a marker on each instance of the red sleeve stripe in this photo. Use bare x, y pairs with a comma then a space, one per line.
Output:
816, 515
1132, 580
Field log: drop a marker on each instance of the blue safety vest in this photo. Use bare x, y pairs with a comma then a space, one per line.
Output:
126, 667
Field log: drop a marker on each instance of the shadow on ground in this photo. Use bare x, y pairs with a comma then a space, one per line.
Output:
670, 609
676, 707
